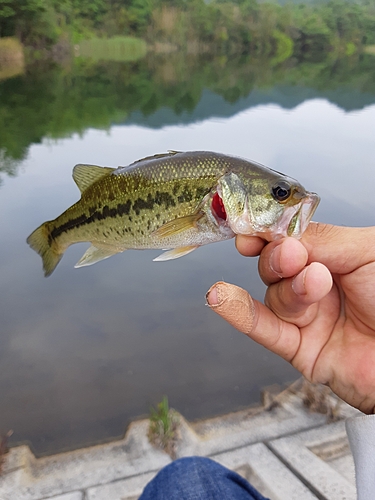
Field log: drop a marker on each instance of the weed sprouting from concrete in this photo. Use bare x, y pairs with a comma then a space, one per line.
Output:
317, 398
163, 428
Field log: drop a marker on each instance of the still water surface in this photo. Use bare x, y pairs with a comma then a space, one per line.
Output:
87, 350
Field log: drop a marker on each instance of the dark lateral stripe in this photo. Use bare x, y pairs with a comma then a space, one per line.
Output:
159, 198
82, 220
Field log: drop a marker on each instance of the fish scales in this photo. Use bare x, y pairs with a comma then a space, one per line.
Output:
134, 201
176, 201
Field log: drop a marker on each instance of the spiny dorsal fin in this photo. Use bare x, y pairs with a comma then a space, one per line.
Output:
85, 175
157, 156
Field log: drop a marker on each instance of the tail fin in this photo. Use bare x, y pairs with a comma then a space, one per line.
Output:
40, 242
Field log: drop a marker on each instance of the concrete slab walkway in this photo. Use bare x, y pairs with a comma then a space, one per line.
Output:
284, 449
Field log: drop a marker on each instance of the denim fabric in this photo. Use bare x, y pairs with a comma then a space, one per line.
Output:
198, 478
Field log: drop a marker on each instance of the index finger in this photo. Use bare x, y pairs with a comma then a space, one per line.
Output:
249, 246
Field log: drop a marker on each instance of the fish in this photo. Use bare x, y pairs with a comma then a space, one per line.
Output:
175, 201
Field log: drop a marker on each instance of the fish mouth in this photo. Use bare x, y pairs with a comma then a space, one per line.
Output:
302, 217
293, 221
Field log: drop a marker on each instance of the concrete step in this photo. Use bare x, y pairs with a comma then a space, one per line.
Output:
284, 449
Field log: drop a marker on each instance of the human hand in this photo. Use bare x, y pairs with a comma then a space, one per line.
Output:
319, 311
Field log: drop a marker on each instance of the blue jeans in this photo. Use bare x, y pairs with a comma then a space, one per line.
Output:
198, 478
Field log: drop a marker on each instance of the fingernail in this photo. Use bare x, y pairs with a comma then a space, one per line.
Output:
298, 283
211, 296
275, 261
214, 296
232, 303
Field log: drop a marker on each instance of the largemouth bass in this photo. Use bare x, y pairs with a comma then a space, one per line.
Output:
176, 202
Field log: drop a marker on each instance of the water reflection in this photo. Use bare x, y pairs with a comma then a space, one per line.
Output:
87, 350
55, 102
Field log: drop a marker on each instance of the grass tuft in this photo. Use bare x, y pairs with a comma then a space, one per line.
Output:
163, 428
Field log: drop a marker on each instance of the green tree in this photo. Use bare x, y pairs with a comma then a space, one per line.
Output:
18, 17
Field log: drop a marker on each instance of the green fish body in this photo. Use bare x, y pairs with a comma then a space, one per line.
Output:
176, 202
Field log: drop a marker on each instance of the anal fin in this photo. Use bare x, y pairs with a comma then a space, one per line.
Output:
176, 253
94, 254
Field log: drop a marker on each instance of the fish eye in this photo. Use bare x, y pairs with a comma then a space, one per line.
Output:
281, 191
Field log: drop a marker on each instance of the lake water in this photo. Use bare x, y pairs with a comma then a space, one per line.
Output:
85, 351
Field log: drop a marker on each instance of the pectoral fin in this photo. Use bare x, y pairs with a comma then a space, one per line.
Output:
178, 225
95, 254
176, 253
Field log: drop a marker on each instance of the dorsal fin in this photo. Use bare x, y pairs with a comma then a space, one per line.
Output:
157, 156
85, 175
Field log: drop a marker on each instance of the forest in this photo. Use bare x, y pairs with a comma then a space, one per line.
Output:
220, 26
78, 74
54, 102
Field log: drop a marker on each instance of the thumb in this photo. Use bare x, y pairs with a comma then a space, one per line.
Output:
235, 305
